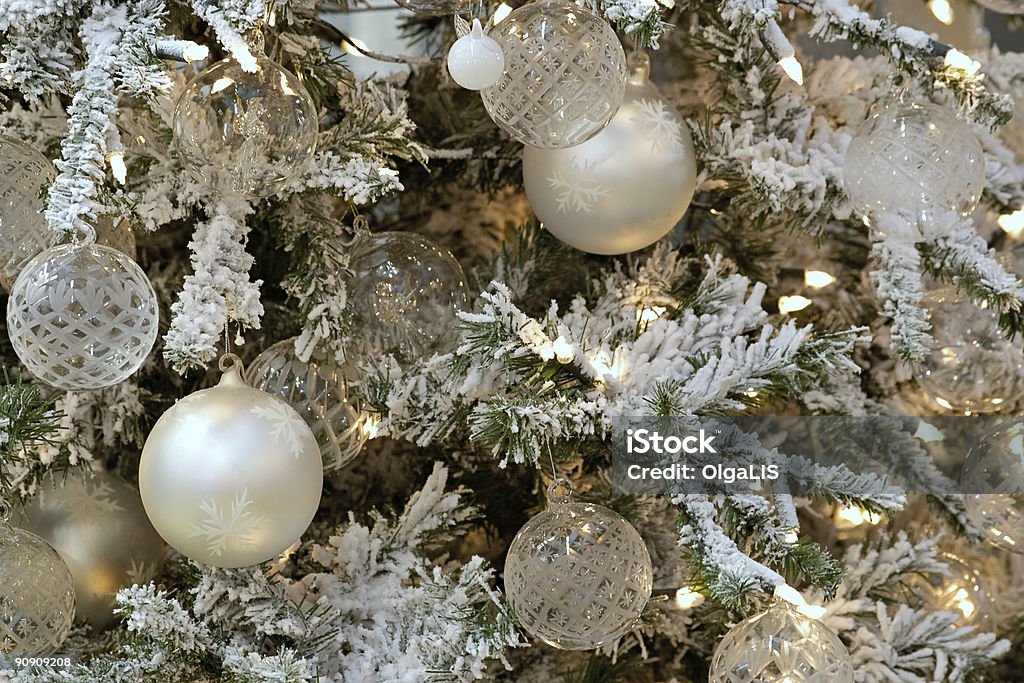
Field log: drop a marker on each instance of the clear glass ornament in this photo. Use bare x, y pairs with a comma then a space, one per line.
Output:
1003, 6
403, 295
246, 132
781, 645
626, 187
993, 479
318, 391
578, 575
912, 160
564, 78
97, 524
25, 174
434, 8
973, 367
962, 591
37, 595
231, 476
476, 61
82, 316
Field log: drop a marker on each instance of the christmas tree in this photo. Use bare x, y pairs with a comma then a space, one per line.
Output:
331, 359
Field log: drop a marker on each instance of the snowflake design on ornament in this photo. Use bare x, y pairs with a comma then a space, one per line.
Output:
140, 573
85, 503
577, 191
658, 124
285, 425
222, 527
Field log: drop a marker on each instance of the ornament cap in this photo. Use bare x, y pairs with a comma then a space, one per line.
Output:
477, 30
232, 367
639, 65
559, 492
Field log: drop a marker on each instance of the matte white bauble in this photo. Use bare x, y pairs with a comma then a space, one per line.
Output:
475, 60
231, 476
626, 187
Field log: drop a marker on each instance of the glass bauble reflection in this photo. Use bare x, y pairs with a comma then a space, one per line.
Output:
973, 367
82, 316
37, 595
627, 186
318, 391
1003, 6
97, 524
403, 296
914, 160
961, 591
781, 645
246, 132
434, 8
993, 479
476, 61
564, 78
231, 476
577, 575
24, 176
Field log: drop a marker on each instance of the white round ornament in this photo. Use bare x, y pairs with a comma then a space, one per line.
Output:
245, 132
231, 476
577, 575
564, 77
97, 524
476, 61
781, 645
82, 316
914, 160
626, 187
24, 176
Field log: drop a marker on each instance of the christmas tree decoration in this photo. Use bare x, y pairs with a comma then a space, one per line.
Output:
231, 476
318, 391
403, 296
577, 575
37, 595
25, 174
564, 78
780, 645
627, 186
1003, 6
912, 160
961, 591
435, 8
82, 316
97, 524
993, 479
973, 368
245, 132
475, 61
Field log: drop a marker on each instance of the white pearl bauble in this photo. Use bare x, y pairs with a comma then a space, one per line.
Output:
626, 187
476, 61
231, 476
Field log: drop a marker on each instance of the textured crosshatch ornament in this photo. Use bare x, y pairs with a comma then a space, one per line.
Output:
993, 478
781, 645
231, 476
97, 524
82, 316
37, 595
626, 187
564, 78
24, 176
914, 160
318, 391
577, 575
246, 132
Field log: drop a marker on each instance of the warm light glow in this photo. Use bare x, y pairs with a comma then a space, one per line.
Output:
118, 167
353, 46
220, 84
649, 315
792, 304
285, 88
564, 353
942, 10
958, 60
370, 426
793, 69
750, 392
500, 13
1013, 224
687, 598
194, 52
849, 517
817, 279
944, 403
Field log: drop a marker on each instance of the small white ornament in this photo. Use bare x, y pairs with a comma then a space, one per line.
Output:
231, 476
476, 61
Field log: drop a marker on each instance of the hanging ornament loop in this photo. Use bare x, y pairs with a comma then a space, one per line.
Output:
82, 235
559, 492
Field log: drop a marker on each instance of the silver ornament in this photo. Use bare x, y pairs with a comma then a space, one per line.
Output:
97, 524
475, 61
627, 186
231, 476
577, 575
318, 391
24, 176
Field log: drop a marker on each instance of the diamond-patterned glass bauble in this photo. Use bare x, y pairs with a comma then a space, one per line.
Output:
317, 390
24, 176
1003, 6
914, 160
37, 595
82, 316
577, 575
246, 132
781, 646
564, 78
403, 296
993, 478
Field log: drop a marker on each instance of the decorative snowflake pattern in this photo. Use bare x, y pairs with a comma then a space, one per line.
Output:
87, 502
577, 191
222, 527
140, 573
286, 425
659, 125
